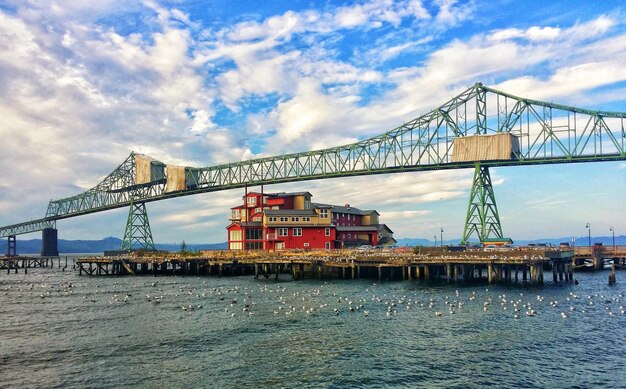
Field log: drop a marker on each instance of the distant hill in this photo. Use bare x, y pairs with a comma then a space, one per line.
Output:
33, 246
579, 241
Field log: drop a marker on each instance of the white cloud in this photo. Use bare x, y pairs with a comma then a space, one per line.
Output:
533, 33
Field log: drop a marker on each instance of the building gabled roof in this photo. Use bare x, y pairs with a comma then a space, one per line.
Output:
287, 194
497, 240
245, 224
384, 227
279, 194
344, 209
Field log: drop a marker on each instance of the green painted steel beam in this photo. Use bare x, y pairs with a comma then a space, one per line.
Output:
547, 133
27, 227
138, 234
482, 217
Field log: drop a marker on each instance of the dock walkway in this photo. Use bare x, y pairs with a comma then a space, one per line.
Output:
345, 264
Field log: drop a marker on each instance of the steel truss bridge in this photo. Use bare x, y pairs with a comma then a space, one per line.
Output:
542, 133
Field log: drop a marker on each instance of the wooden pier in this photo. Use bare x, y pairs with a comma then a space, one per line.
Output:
502, 266
16, 263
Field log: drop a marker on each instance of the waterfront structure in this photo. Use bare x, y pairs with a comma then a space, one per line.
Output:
279, 221
505, 130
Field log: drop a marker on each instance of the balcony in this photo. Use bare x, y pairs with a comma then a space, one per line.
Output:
272, 236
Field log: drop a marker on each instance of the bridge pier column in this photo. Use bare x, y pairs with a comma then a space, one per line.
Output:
482, 217
11, 246
49, 242
138, 233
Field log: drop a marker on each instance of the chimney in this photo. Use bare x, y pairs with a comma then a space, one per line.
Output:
347, 206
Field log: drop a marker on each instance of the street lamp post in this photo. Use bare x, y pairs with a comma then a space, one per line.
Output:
613, 231
435, 240
441, 240
588, 227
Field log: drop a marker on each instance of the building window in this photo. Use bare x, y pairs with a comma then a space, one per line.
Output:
349, 236
327, 245
275, 207
251, 201
254, 245
343, 215
283, 232
327, 231
272, 218
235, 214
306, 219
254, 234
323, 213
306, 245
297, 232
295, 219
235, 246
256, 219
343, 236
284, 219
235, 235
307, 204
257, 210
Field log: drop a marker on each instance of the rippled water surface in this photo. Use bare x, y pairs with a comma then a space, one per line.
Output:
59, 329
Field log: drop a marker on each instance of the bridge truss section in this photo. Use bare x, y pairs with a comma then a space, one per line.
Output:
543, 133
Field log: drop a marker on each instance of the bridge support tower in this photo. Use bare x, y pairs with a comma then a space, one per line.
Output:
482, 213
49, 242
138, 234
11, 246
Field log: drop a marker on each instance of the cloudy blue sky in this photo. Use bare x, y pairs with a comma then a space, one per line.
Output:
83, 83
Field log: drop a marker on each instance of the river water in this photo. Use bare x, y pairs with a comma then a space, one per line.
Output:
58, 329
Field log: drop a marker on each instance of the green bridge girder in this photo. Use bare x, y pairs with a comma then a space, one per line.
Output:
547, 133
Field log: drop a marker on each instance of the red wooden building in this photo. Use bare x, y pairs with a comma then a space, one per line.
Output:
278, 221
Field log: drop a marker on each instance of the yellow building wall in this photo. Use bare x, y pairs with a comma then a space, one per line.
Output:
363, 236
315, 221
368, 220
298, 202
